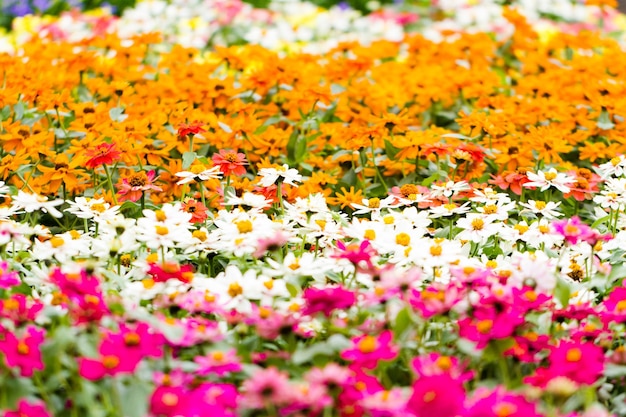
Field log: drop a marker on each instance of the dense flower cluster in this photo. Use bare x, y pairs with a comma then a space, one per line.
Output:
414, 227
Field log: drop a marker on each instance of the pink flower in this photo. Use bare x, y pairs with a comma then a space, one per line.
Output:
437, 364
581, 362
327, 299
435, 299
20, 309
369, 350
23, 352
615, 306
266, 386
136, 184
436, 395
24, 408
500, 403
356, 253
218, 362
168, 400
230, 162
121, 352
8, 278
574, 231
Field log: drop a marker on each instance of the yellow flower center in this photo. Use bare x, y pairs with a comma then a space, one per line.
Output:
403, 239
540, 205
161, 230
573, 355
484, 326
436, 250
478, 224
244, 226
373, 203
235, 289
160, 215
491, 209
22, 348
549, 176
369, 234
57, 242
368, 344
110, 361
200, 235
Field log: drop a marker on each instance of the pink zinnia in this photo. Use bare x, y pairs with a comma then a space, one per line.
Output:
355, 253
437, 364
24, 408
581, 362
230, 162
615, 306
436, 395
266, 386
368, 350
136, 184
218, 362
500, 403
23, 352
574, 231
326, 300
8, 278
121, 352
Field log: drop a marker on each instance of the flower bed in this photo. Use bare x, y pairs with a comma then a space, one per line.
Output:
401, 228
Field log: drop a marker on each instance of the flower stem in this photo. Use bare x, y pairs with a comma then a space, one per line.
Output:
106, 170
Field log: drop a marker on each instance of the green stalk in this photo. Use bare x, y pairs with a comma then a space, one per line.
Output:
106, 170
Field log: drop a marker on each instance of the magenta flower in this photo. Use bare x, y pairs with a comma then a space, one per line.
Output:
266, 386
435, 299
326, 300
500, 403
168, 400
121, 352
574, 231
581, 362
615, 306
369, 350
20, 308
218, 363
23, 352
8, 278
437, 364
356, 253
436, 395
24, 408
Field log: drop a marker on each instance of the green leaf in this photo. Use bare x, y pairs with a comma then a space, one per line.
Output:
617, 272
390, 150
188, 158
5, 113
293, 291
604, 121
562, 292
19, 110
135, 398
403, 321
615, 371
117, 114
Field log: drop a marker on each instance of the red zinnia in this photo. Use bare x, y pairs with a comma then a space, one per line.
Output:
194, 128
103, 154
230, 161
197, 210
